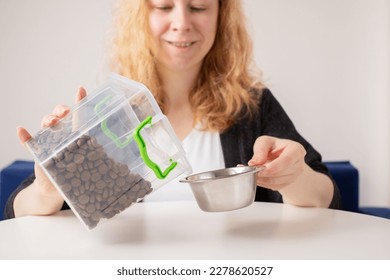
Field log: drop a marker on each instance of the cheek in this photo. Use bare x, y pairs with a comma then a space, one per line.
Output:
211, 34
210, 29
155, 26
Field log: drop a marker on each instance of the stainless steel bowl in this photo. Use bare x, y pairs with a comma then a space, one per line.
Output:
224, 189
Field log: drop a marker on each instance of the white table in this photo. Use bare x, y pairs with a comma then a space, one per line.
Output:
180, 230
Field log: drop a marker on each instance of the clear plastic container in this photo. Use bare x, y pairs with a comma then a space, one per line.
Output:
113, 148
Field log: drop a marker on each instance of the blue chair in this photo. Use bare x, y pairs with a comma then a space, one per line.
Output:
382, 212
347, 179
10, 177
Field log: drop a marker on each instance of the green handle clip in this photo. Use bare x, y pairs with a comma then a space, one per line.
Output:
144, 154
138, 139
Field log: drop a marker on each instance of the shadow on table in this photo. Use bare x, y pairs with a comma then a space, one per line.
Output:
291, 223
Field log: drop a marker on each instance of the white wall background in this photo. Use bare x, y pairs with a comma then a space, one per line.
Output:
328, 63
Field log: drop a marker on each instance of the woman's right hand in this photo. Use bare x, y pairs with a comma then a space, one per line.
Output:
41, 197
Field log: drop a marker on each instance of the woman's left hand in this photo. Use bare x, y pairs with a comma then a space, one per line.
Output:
283, 160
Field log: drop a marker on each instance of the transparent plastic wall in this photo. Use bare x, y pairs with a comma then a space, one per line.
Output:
113, 148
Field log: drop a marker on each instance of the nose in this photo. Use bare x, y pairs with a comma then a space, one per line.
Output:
181, 19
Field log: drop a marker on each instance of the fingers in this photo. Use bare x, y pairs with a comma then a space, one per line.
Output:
273, 182
23, 134
60, 111
81, 94
263, 148
283, 160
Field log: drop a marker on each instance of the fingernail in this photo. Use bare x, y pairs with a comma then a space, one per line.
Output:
50, 120
251, 162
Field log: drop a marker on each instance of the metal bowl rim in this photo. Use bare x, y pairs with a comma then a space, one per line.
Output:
254, 169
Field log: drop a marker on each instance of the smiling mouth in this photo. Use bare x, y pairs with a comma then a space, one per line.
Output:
181, 44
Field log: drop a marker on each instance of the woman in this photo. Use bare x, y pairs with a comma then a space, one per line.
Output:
196, 57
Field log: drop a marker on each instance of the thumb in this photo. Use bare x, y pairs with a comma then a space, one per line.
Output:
261, 149
23, 134
81, 93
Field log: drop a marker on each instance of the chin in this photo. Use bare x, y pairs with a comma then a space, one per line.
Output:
183, 66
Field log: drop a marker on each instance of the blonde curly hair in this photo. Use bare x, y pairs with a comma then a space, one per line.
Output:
224, 89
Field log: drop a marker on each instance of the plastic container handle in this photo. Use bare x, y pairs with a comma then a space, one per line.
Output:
144, 153
139, 140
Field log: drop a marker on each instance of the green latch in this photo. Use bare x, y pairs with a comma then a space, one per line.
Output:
138, 139
144, 154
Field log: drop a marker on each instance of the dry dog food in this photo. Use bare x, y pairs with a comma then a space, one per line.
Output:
95, 185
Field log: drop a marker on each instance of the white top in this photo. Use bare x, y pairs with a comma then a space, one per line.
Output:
204, 152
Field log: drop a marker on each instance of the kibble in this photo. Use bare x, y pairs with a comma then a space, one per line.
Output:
94, 184
84, 199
